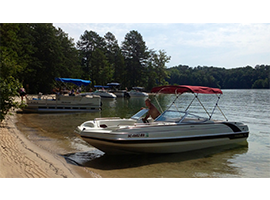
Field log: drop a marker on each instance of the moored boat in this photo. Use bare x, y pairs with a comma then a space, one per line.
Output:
103, 93
62, 103
137, 92
172, 132
114, 88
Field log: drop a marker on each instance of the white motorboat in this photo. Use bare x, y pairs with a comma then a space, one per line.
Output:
101, 93
59, 103
114, 88
172, 132
104, 94
137, 92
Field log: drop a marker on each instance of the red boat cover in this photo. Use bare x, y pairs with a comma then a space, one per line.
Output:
173, 89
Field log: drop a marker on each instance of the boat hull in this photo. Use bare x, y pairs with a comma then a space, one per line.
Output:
45, 109
63, 104
102, 94
121, 94
138, 94
165, 138
140, 147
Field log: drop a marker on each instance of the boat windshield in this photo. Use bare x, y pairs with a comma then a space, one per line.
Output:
139, 114
180, 117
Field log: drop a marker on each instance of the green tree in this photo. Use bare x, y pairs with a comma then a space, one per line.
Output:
266, 83
136, 56
8, 90
258, 84
151, 72
9, 67
159, 61
101, 69
179, 75
50, 54
87, 44
70, 62
13, 62
115, 58
236, 78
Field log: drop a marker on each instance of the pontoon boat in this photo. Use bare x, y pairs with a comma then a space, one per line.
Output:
61, 103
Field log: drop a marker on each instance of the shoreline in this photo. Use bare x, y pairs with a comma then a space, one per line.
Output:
20, 158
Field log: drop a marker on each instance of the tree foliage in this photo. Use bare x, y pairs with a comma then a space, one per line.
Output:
136, 55
159, 61
9, 67
237, 78
115, 58
89, 42
55, 56
32, 55
8, 90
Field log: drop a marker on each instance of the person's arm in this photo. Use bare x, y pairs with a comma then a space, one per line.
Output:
146, 117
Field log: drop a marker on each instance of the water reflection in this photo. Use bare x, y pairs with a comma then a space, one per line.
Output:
211, 162
122, 107
80, 158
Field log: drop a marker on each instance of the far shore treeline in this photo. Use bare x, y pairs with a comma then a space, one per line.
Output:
32, 55
37, 53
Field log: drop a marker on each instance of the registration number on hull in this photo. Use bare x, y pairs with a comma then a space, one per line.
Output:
136, 135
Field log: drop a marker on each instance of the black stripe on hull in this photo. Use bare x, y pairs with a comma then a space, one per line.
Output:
230, 136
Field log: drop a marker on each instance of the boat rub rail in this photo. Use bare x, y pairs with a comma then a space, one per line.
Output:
173, 139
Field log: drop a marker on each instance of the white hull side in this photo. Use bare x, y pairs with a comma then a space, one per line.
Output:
164, 147
102, 94
56, 110
164, 138
64, 104
121, 93
138, 94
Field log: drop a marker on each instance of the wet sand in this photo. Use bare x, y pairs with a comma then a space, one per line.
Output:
21, 158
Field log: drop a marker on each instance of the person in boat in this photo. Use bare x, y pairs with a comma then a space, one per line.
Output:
72, 93
153, 111
22, 93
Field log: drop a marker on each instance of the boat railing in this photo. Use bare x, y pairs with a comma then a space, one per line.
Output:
42, 98
196, 90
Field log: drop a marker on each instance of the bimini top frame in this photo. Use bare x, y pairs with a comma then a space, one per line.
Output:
180, 89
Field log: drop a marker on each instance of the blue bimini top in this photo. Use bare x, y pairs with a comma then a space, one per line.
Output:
78, 82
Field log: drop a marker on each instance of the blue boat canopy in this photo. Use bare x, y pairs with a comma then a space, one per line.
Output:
101, 86
78, 82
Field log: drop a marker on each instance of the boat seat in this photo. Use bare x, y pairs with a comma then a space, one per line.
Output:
114, 123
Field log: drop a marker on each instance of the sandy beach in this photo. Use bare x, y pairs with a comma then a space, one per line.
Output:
20, 158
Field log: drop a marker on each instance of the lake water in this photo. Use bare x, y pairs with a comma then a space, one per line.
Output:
55, 133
